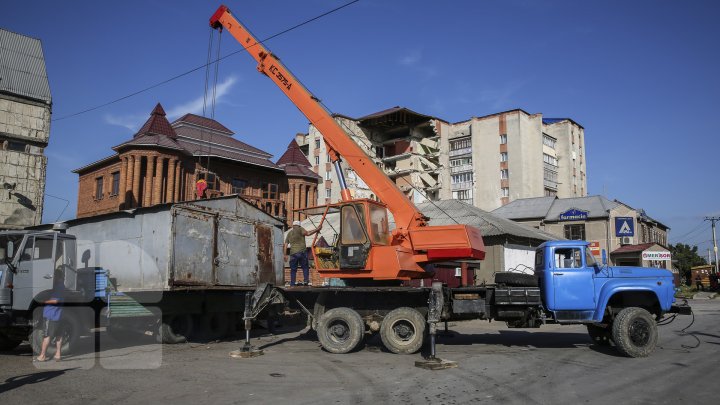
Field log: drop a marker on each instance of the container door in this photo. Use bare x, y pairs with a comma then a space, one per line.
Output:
265, 269
235, 261
573, 282
193, 248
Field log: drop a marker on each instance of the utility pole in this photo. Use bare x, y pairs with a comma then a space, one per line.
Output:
712, 221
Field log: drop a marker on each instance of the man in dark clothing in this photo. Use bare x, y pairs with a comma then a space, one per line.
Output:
52, 313
295, 241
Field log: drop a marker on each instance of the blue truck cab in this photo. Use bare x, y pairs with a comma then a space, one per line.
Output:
619, 305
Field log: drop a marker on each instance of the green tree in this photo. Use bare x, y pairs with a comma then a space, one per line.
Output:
685, 257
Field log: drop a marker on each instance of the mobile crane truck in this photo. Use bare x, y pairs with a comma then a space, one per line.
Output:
618, 304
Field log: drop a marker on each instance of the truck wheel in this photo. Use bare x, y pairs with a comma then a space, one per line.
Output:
601, 336
403, 330
214, 325
635, 332
340, 330
176, 329
516, 279
7, 344
70, 331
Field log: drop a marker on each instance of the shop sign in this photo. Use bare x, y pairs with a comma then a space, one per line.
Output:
573, 214
594, 248
657, 256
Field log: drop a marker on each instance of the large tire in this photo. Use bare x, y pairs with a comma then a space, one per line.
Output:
635, 332
7, 344
601, 336
516, 279
70, 331
176, 329
214, 326
403, 330
340, 330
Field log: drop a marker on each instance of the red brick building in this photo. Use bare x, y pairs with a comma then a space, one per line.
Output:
165, 163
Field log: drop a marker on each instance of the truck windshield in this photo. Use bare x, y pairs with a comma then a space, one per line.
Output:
590, 259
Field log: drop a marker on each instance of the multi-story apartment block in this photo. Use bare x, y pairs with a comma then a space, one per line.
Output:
485, 161
25, 108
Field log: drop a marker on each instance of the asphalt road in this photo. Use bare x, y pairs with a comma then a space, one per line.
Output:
550, 365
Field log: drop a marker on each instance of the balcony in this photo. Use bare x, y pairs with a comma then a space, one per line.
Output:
550, 184
462, 186
460, 169
458, 152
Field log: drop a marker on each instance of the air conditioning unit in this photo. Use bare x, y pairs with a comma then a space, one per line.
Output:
626, 240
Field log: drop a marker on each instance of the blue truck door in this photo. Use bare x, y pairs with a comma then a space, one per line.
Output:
573, 281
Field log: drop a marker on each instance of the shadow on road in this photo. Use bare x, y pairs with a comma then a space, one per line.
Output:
511, 338
34, 378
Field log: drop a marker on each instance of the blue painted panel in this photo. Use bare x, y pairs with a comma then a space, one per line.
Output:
574, 289
624, 226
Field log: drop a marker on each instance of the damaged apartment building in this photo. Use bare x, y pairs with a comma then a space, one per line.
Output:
25, 108
405, 144
484, 161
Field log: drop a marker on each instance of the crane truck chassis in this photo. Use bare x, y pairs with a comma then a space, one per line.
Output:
618, 305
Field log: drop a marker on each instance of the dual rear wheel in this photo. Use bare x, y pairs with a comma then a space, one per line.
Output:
340, 330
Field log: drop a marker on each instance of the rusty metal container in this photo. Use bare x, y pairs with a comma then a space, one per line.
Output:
216, 243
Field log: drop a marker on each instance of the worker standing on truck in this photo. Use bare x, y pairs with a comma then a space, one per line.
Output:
51, 317
295, 242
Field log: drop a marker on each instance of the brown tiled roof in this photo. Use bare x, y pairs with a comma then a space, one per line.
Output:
294, 170
204, 122
210, 138
102, 162
293, 155
633, 248
157, 124
152, 140
238, 156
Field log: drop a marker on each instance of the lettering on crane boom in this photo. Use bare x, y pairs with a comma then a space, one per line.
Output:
274, 70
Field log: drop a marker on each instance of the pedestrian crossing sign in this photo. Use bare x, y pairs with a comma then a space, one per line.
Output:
624, 226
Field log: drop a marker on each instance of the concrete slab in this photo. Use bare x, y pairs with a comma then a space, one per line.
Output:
704, 296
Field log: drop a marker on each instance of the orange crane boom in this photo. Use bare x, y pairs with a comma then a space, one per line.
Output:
369, 253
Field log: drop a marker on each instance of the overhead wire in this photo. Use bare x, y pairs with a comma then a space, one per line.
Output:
195, 69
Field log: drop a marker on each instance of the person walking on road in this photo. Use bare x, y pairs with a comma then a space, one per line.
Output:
295, 241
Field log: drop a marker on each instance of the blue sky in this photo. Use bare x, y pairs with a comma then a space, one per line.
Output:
640, 76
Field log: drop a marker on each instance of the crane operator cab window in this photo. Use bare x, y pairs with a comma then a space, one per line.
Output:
354, 243
568, 258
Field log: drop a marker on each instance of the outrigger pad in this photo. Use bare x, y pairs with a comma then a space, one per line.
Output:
244, 354
435, 364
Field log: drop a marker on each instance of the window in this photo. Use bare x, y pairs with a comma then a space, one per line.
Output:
379, 152
211, 179
270, 191
568, 258
328, 159
99, 188
460, 144
503, 157
550, 193
115, 184
575, 232
551, 160
503, 139
461, 178
462, 195
549, 141
539, 259
317, 160
317, 143
461, 162
327, 193
327, 175
505, 191
351, 227
590, 259
16, 146
504, 174
380, 230
238, 186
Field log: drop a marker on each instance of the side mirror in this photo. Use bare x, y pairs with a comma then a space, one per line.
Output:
10, 250
604, 257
